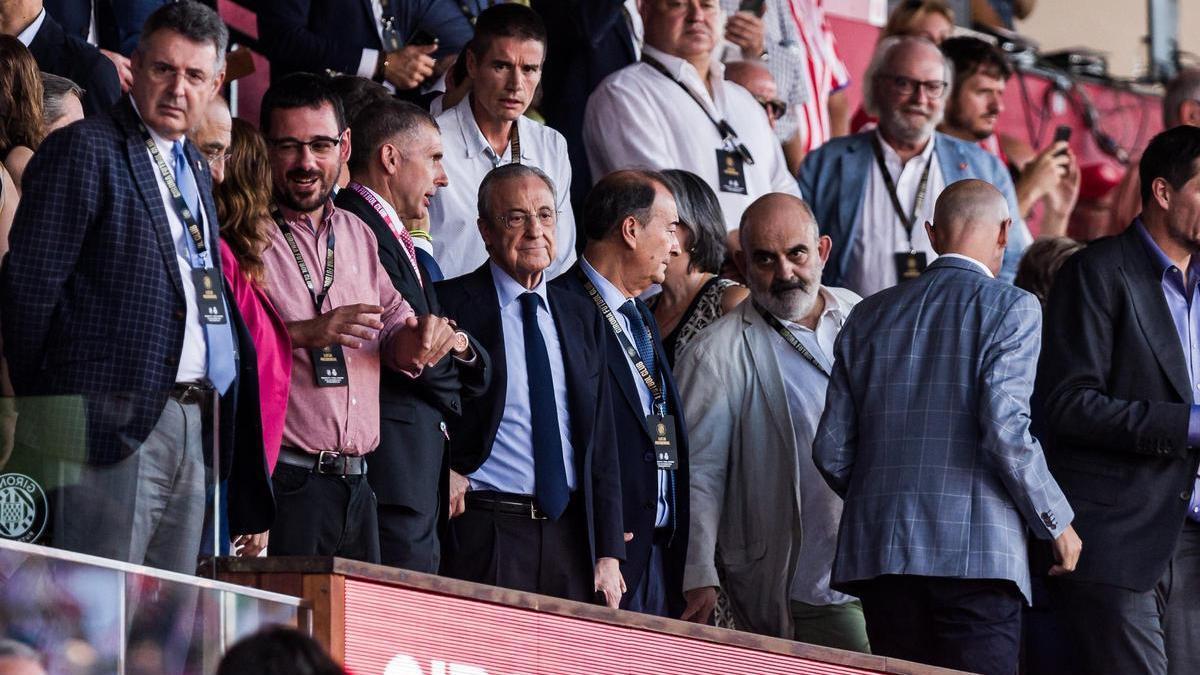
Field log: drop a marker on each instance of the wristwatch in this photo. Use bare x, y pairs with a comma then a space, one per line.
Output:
461, 343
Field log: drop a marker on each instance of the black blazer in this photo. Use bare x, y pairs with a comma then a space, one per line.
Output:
93, 308
639, 470
1113, 396
471, 300
409, 461
68, 56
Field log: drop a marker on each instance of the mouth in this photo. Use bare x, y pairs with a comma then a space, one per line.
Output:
304, 182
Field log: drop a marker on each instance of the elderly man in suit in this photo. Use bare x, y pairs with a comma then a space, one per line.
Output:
871, 191
630, 222
111, 297
925, 435
754, 385
543, 499
395, 167
1119, 393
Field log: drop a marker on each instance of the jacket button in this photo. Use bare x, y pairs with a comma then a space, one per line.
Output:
454, 405
649, 456
171, 360
1186, 495
179, 314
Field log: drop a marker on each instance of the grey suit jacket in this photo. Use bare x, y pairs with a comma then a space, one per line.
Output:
926, 432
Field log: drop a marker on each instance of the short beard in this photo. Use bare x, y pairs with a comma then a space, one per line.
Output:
893, 122
287, 199
790, 301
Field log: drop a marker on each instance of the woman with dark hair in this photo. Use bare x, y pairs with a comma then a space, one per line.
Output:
20, 107
278, 650
243, 201
692, 295
1041, 263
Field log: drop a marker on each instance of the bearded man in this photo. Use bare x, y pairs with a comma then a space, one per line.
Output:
754, 382
871, 191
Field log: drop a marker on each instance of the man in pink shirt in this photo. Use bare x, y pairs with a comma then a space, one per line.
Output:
346, 321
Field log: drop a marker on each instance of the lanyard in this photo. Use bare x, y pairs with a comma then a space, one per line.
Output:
907, 220
181, 207
790, 338
398, 232
318, 299
660, 402
514, 142
724, 128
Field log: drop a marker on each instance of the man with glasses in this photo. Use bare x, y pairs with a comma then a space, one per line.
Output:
675, 110
213, 137
538, 450
630, 221
116, 330
756, 79
347, 322
871, 191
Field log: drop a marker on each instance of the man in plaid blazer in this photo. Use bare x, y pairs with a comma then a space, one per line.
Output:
925, 435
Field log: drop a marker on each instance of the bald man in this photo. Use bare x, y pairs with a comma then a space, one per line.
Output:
213, 136
925, 435
754, 384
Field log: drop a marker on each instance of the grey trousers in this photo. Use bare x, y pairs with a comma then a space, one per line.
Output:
147, 509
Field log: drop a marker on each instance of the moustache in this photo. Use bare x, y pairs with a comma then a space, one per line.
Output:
781, 287
300, 174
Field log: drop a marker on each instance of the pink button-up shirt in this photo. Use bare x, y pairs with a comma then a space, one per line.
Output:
335, 418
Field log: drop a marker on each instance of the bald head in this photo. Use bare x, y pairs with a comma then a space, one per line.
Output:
754, 77
213, 136
971, 218
783, 255
774, 212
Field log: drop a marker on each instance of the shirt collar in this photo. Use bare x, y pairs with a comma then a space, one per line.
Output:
294, 218
164, 146
473, 139
682, 69
387, 206
890, 154
1162, 264
608, 292
982, 268
26, 36
508, 290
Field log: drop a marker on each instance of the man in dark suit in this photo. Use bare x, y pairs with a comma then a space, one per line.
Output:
344, 36
1118, 387
115, 330
118, 22
61, 54
543, 508
629, 222
395, 167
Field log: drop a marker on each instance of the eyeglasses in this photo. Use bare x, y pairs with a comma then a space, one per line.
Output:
517, 219
320, 146
775, 108
217, 157
905, 86
163, 72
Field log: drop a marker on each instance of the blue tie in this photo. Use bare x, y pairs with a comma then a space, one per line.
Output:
549, 474
222, 365
641, 336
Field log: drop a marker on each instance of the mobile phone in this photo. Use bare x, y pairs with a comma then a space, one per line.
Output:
422, 38
753, 6
1062, 134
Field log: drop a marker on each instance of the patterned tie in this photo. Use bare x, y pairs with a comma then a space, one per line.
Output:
641, 336
221, 361
549, 474
411, 250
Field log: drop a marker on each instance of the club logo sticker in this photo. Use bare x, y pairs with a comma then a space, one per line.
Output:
23, 508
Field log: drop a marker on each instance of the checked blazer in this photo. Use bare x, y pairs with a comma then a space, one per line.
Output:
925, 433
93, 309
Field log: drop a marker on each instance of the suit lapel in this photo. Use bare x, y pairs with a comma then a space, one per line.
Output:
951, 159
489, 332
143, 170
766, 367
853, 172
1154, 317
571, 336
618, 365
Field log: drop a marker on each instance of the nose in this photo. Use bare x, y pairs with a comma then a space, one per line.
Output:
441, 179
676, 249
695, 10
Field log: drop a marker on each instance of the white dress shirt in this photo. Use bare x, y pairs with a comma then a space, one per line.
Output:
640, 118
615, 299
26, 36
468, 157
872, 266
509, 467
193, 361
820, 507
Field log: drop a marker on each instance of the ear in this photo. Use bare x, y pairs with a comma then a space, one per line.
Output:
824, 246
484, 233
389, 158
472, 64
932, 234
1189, 112
344, 147
1005, 226
629, 231
1161, 190
218, 80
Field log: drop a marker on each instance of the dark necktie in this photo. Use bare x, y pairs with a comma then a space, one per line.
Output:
641, 336
549, 474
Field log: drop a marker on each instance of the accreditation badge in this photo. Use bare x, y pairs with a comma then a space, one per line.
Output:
208, 296
329, 366
731, 172
666, 450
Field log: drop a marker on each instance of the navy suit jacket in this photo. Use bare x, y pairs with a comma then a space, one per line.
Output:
94, 311
118, 22
1113, 400
67, 56
639, 470
471, 300
409, 461
318, 35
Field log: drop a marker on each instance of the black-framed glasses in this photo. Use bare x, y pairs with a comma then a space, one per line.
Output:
321, 145
775, 108
517, 218
905, 86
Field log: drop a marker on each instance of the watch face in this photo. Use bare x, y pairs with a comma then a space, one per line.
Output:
461, 343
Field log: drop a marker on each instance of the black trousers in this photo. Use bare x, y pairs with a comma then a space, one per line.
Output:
965, 624
323, 515
1116, 630
550, 557
408, 538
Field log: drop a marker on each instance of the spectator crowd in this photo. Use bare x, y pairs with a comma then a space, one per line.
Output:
603, 300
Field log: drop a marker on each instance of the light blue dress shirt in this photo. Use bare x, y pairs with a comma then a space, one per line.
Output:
615, 299
509, 467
